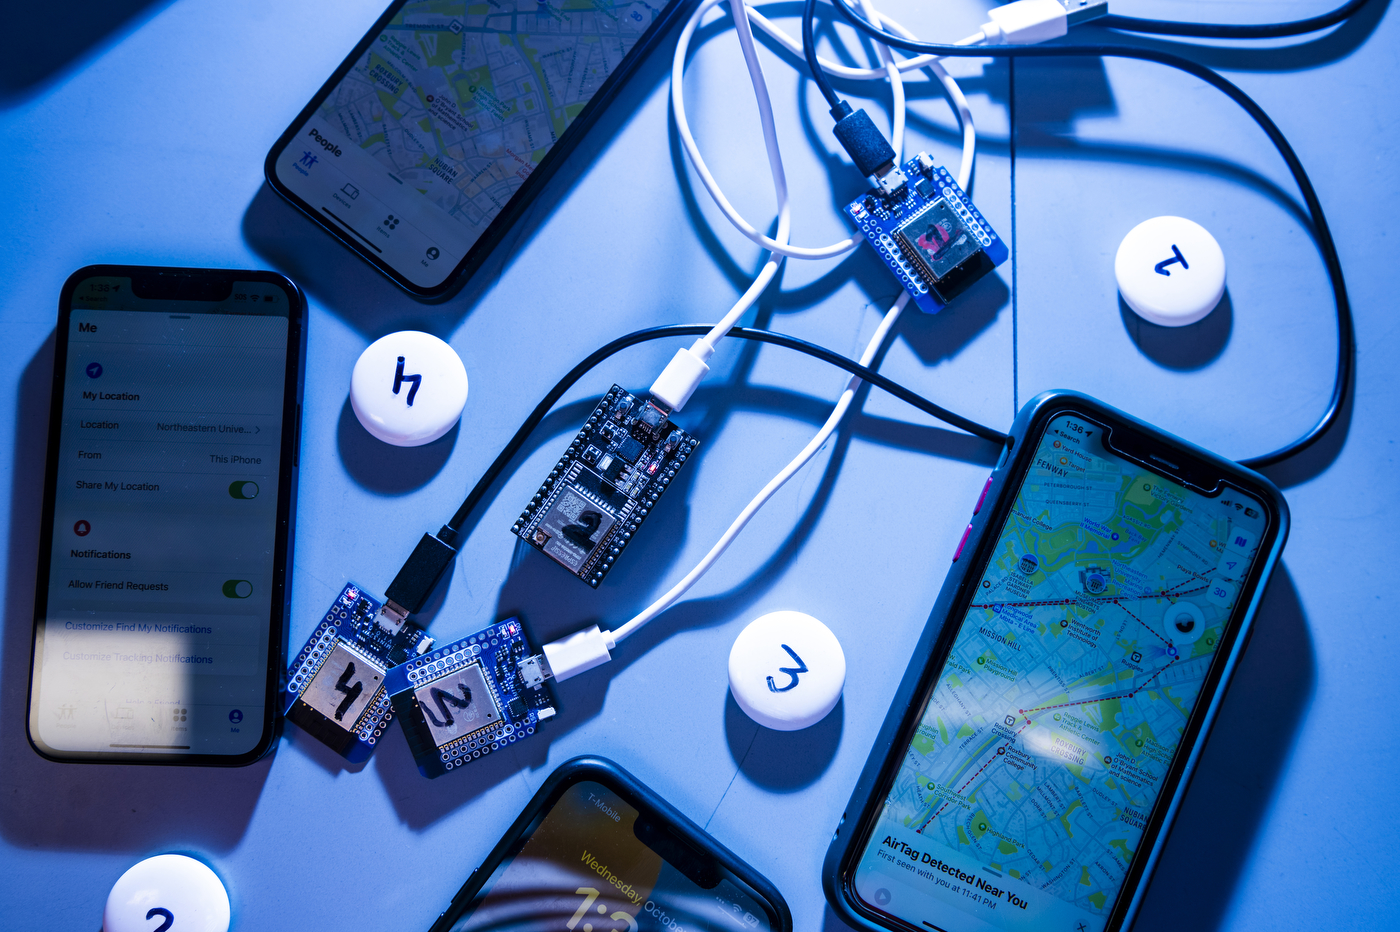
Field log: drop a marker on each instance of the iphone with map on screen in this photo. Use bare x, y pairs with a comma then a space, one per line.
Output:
447, 119
1048, 724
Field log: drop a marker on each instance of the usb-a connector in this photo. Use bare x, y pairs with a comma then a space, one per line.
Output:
1027, 22
1082, 11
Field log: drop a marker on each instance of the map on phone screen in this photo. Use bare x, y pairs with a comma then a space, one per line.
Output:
454, 104
1024, 794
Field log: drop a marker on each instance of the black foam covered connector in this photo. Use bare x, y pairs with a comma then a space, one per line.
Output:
865, 144
420, 574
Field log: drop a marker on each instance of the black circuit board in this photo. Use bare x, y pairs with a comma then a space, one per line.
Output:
468, 698
605, 485
335, 686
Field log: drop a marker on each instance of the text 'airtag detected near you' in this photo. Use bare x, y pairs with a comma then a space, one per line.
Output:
408, 388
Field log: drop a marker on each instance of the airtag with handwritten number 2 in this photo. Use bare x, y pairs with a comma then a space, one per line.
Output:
1170, 271
167, 893
786, 670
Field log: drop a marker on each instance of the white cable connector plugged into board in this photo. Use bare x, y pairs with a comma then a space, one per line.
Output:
682, 375
591, 647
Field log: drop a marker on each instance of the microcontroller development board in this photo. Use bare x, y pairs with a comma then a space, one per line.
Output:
929, 234
605, 485
468, 698
335, 686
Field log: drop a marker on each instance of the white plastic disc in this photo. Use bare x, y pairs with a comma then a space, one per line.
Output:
1170, 271
408, 388
1183, 623
168, 891
786, 670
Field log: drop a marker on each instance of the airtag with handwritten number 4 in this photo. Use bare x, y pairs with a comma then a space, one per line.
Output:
408, 388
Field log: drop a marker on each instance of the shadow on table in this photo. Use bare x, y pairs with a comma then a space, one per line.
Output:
339, 279
782, 761
1182, 348
98, 807
384, 468
1239, 770
45, 41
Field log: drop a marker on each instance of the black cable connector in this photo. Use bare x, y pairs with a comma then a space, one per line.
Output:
865, 144
420, 573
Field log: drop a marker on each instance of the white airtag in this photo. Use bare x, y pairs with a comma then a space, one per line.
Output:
1170, 271
786, 670
1183, 623
408, 388
168, 891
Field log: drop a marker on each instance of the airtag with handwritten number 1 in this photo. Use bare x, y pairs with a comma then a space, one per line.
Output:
1170, 271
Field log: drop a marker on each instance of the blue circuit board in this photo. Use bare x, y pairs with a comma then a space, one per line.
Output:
929, 234
335, 686
460, 702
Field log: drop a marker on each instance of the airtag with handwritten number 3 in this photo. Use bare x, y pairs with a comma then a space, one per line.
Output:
786, 670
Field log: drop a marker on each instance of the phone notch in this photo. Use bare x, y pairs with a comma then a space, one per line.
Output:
1173, 463
699, 868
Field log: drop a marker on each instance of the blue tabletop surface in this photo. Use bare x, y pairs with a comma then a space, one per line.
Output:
135, 132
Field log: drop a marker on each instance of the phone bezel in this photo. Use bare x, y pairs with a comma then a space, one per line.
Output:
936, 643
286, 506
523, 197
648, 804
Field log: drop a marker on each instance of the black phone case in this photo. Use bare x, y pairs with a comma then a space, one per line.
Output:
868, 796
604, 771
286, 506
515, 208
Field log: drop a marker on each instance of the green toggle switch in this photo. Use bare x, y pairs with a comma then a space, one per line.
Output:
238, 589
243, 488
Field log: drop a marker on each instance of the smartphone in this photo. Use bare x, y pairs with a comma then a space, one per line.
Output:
447, 119
1045, 731
166, 541
596, 851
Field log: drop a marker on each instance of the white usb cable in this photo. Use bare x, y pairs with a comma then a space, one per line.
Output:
590, 647
690, 365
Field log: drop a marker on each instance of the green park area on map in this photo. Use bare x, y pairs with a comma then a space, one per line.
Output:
463, 100
1070, 682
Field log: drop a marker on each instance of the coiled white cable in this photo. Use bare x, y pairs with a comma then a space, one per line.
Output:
891, 67
589, 648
